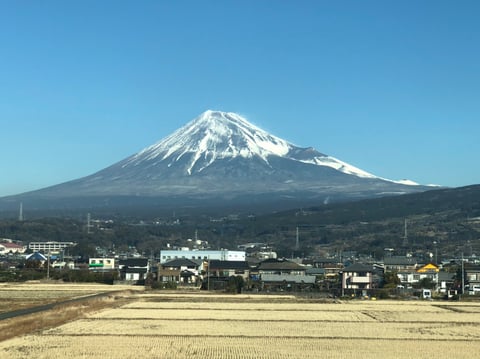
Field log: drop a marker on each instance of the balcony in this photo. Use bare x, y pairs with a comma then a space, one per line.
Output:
359, 280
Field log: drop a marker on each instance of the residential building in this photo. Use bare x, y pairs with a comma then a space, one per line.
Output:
472, 278
226, 269
101, 263
134, 269
181, 271
331, 266
282, 274
411, 277
357, 279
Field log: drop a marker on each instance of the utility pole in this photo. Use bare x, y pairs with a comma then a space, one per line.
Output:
463, 276
48, 265
297, 240
208, 274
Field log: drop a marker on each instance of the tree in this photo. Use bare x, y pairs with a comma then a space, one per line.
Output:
426, 283
235, 284
391, 280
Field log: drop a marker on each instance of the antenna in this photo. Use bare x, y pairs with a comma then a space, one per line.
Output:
20, 213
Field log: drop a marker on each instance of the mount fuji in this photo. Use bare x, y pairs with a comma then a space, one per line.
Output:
220, 156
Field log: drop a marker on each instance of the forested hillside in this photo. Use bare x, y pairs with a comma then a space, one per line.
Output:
445, 220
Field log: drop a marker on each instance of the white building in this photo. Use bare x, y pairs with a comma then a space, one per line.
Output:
50, 247
8, 247
202, 254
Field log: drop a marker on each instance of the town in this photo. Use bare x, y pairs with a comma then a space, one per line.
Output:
251, 267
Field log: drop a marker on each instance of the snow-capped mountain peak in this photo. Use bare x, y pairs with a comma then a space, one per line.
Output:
214, 135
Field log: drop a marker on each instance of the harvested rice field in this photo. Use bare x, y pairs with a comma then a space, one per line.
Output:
201, 325
14, 296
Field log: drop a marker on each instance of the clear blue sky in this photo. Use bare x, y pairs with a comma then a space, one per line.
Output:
392, 87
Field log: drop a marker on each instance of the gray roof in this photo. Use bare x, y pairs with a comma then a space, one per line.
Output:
236, 265
315, 271
358, 267
400, 260
279, 264
180, 262
134, 262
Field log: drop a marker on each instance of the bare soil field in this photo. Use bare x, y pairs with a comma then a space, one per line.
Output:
202, 325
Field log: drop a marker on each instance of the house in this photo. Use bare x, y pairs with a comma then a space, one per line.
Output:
319, 275
357, 279
446, 282
430, 271
102, 264
282, 274
226, 269
472, 278
331, 266
400, 263
218, 273
134, 269
410, 277
181, 271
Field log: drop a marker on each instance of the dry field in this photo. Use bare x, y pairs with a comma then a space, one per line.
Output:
200, 325
43, 305
15, 296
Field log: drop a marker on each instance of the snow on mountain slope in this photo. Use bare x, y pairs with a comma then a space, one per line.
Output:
211, 136
216, 135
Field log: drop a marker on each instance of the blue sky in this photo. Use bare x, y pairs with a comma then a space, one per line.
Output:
390, 87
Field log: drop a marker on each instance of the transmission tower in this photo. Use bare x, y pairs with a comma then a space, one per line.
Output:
405, 235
